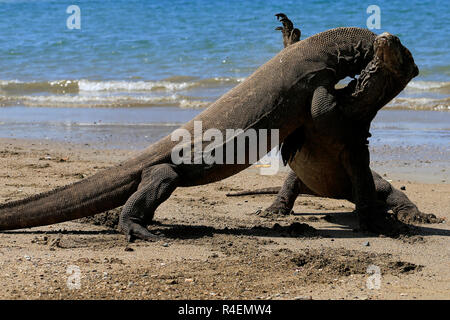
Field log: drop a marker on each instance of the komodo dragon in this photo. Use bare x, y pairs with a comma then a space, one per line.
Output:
320, 169
281, 94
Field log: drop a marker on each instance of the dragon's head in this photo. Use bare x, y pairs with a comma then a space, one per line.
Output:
385, 76
392, 55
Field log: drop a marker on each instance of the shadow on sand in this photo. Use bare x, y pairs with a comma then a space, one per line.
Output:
344, 226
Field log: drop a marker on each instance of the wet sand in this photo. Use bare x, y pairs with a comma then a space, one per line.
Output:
215, 247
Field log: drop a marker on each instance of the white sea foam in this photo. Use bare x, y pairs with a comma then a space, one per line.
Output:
130, 86
420, 104
175, 92
172, 84
429, 86
163, 85
85, 101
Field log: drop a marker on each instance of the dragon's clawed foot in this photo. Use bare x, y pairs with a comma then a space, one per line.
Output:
278, 208
280, 16
290, 34
413, 215
285, 20
381, 222
135, 231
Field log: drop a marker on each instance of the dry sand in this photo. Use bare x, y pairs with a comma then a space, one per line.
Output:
212, 246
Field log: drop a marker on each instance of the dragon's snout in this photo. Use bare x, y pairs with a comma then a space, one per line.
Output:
395, 56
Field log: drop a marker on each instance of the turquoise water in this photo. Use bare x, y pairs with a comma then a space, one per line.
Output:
187, 53
154, 40
147, 66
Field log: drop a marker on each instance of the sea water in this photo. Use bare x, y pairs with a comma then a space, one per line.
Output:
125, 73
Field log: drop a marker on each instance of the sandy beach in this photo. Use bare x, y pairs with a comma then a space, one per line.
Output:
86, 85
217, 247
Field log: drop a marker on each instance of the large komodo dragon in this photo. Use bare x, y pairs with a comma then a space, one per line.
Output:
289, 91
325, 166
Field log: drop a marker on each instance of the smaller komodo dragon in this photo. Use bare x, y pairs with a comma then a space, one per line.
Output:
289, 91
318, 169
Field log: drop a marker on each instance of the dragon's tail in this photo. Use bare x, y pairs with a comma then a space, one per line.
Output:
103, 191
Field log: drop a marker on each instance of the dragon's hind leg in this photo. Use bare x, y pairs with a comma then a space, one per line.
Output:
285, 199
157, 184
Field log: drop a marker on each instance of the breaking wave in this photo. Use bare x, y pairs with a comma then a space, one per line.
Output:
171, 84
420, 104
177, 91
80, 101
433, 86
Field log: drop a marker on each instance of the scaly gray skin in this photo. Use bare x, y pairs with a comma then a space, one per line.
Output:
282, 94
322, 162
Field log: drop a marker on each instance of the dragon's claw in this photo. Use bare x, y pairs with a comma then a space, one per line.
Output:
280, 16
136, 231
